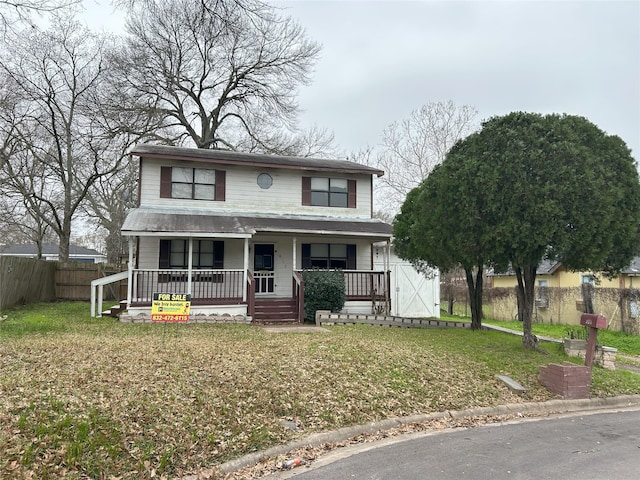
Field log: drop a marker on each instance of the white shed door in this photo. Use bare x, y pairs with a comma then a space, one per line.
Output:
412, 294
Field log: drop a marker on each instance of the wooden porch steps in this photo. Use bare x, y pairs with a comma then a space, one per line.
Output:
275, 310
115, 310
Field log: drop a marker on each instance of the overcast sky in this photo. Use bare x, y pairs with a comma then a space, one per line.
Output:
383, 59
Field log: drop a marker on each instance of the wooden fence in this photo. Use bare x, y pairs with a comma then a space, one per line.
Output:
28, 280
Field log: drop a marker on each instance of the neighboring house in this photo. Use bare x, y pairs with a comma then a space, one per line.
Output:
50, 252
234, 230
565, 304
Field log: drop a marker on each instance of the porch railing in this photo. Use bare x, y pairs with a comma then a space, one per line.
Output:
298, 294
205, 286
251, 294
366, 285
229, 287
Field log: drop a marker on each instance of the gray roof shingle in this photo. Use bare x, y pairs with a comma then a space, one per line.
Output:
251, 159
157, 220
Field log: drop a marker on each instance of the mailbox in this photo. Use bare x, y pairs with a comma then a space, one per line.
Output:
592, 320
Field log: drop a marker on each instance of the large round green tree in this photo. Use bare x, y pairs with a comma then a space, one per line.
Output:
542, 186
441, 222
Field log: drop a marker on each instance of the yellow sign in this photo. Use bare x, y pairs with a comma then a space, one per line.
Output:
170, 307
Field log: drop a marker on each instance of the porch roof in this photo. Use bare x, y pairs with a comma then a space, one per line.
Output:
149, 221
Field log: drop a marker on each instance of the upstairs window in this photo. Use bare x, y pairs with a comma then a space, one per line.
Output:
328, 192
192, 183
329, 256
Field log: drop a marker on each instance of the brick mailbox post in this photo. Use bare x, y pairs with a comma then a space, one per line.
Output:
593, 322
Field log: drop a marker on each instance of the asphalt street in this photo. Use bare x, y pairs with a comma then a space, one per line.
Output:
580, 446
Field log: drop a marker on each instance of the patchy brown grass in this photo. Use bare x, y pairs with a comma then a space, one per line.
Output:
99, 399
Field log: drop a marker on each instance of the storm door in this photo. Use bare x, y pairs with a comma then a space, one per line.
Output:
263, 255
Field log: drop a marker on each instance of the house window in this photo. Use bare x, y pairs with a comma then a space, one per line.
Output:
265, 181
196, 183
192, 183
174, 254
542, 294
329, 192
329, 256
589, 279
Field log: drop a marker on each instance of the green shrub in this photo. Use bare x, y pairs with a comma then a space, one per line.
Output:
323, 290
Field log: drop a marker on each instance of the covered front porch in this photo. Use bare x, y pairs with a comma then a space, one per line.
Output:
236, 292
261, 261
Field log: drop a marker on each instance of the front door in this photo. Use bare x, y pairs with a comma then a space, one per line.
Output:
263, 254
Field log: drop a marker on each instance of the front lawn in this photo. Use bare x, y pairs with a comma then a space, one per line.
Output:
94, 398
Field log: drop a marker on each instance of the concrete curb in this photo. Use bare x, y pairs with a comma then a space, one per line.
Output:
550, 407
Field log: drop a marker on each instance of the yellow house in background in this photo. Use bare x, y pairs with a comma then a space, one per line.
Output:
559, 296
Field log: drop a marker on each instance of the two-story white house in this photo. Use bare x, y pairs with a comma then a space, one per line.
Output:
234, 230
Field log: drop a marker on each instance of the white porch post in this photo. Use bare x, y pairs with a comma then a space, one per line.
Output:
295, 251
190, 265
246, 269
387, 274
132, 241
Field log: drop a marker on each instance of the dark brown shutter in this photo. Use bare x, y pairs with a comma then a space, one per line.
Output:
165, 252
165, 182
351, 188
306, 255
306, 191
218, 250
221, 185
351, 257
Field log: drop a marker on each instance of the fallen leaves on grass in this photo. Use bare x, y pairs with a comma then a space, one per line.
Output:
136, 402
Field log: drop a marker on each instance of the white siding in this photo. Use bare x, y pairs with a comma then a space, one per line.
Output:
148, 252
234, 253
244, 196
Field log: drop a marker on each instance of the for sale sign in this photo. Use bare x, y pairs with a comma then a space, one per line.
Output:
170, 307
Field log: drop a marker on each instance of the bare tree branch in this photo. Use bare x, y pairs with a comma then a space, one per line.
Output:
212, 69
412, 147
13, 12
55, 114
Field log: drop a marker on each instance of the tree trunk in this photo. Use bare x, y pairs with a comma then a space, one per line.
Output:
474, 286
587, 297
520, 302
526, 290
63, 247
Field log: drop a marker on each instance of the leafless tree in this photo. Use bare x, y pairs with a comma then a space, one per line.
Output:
15, 11
57, 79
19, 221
314, 142
412, 147
108, 202
220, 73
